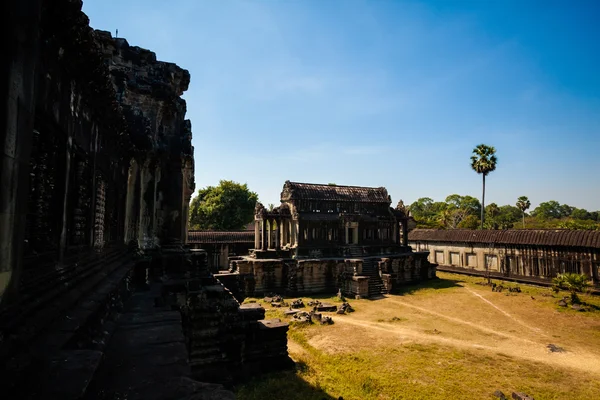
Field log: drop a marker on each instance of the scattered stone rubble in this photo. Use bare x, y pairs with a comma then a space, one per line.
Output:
555, 349
344, 308
500, 288
515, 396
297, 304
319, 306
562, 303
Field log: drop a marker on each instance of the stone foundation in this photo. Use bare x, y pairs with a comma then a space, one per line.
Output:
361, 277
226, 341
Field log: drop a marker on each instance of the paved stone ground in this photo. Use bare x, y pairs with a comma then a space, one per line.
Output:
146, 357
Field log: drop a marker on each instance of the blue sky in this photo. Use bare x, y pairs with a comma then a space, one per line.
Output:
384, 93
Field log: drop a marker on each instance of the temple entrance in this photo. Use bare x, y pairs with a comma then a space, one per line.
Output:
350, 239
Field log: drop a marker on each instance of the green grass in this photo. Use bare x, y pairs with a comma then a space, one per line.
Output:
415, 371
424, 371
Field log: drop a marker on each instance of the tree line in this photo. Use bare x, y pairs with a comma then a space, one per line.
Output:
464, 212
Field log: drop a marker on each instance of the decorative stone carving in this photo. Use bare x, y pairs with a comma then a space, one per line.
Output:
402, 208
287, 192
259, 210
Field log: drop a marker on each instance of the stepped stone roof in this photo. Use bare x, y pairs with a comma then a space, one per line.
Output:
537, 237
218, 237
313, 191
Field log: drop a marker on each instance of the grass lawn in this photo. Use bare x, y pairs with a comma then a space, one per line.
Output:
445, 339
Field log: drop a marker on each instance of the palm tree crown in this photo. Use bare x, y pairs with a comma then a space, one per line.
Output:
523, 204
483, 161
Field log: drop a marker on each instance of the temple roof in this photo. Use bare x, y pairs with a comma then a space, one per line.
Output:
537, 237
208, 237
313, 191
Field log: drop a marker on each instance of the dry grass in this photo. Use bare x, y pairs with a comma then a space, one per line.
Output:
450, 338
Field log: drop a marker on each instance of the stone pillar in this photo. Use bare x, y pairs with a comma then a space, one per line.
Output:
142, 207
189, 185
293, 233
264, 235
65, 200
256, 234
405, 233
130, 202
346, 232
278, 234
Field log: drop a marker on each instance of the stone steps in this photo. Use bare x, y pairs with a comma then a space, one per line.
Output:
370, 269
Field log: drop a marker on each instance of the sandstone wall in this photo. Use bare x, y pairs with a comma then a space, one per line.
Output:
161, 171
355, 277
406, 268
538, 262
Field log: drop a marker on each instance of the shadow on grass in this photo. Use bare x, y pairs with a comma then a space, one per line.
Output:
287, 385
436, 283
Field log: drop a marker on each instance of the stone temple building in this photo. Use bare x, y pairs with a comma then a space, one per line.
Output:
323, 238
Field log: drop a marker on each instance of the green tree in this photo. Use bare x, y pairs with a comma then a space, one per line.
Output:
523, 204
580, 213
547, 210
492, 211
483, 161
228, 206
426, 212
458, 208
469, 222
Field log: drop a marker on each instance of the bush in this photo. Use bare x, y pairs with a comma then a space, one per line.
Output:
574, 283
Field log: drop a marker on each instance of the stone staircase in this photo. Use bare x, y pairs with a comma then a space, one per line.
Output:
370, 269
355, 251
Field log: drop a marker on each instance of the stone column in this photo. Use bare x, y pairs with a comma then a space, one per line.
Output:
256, 234
189, 185
405, 233
264, 235
130, 202
141, 224
278, 234
93, 189
292, 233
65, 200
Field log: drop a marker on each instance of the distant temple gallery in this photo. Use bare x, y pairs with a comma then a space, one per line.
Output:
325, 238
526, 255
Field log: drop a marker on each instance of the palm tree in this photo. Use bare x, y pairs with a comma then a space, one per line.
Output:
523, 204
483, 161
572, 282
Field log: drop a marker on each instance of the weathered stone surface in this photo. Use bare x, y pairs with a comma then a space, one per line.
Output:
161, 175
555, 349
563, 303
498, 394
